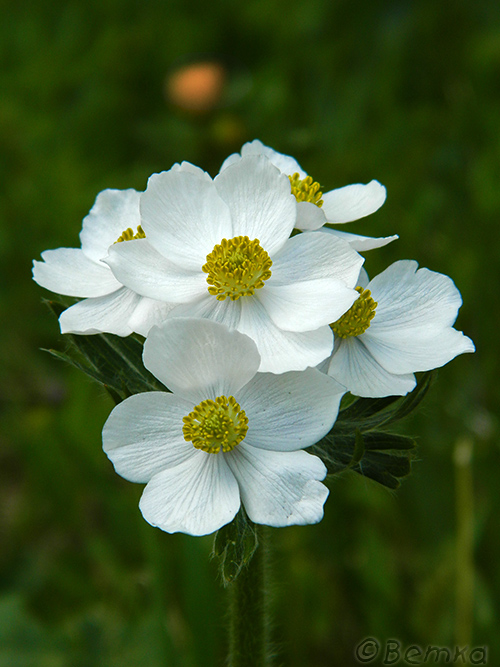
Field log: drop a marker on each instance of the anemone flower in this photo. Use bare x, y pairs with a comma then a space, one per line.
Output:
226, 435
107, 305
221, 249
315, 208
401, 323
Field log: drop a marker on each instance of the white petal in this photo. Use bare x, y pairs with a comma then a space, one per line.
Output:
196, 497
224, 312
231, 159
193, 169
68, 271
289, 411
121, 313
312, 282
307, 305
279, 488
260, 200
353, 202
147, 314
281, 350
143, 435
314, 255
200, 359
114, 211
412, 328
410, 298
139, 266
353, 366
110, 314
363, 278
361, 243
406, 351
309, 216
285, 163
184, 217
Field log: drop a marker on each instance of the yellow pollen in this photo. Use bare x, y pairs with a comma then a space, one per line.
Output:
236, 268
359, 316
305, 189
216, 425
128, 235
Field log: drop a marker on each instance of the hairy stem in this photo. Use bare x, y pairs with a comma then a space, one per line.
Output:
249, 617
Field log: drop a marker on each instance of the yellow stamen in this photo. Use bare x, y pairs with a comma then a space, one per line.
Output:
358, 318
216, 425
128, 235
305, 189
236, 268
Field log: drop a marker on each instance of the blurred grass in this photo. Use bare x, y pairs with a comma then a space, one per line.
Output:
404, 92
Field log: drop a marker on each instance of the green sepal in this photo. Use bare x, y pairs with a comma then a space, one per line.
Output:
113, 361
356, 441
234, 545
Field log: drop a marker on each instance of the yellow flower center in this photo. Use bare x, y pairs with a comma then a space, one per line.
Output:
305, 189
236, 268
128, 235
359, 316
216, 425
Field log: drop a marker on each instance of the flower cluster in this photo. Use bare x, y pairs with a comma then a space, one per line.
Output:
258, 317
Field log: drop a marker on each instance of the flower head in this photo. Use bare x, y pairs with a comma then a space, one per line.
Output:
226, 435
316, 208
221, 249
401, 323
107, 305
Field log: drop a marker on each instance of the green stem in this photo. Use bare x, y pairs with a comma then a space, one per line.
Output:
249, 622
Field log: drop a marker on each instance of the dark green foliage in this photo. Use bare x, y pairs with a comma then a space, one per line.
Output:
355, 443
113, 361
369, 413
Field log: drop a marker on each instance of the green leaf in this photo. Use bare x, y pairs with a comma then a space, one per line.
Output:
359, 447
369, 413
382, 441
356, 441
385, 469
385, 456
113, 361
235, 545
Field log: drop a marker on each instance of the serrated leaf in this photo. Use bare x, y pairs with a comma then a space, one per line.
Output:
235, 545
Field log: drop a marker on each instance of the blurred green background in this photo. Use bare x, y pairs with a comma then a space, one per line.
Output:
404, 92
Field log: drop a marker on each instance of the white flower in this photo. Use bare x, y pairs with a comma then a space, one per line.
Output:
315, 208
107, 305
221, 249
226, 435
402, 323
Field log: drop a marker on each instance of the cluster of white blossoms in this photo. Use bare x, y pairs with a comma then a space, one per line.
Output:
257, 318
